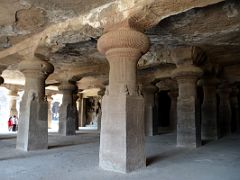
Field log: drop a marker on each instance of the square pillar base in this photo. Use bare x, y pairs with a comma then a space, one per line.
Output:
33, 126
122, 133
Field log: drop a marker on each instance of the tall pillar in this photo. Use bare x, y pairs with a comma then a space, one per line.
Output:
235, 109
79, 105
68, 110
149, 109
33, 126
122, 127
209, 125
13, 103
173, 109
187, 74
75, 99
225, 113
49, 100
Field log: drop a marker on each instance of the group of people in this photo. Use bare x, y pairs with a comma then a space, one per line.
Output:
13, 123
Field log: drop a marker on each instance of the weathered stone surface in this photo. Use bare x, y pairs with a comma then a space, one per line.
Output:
33, 120
68, 110
122, 128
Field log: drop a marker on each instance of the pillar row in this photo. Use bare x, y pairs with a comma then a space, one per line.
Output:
188, 124
33, 120
150, 109
68, 109
209, 125
122, 127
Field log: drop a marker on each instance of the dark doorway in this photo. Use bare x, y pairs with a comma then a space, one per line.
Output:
164, 104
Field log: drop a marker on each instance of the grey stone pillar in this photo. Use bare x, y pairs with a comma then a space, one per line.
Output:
173, 109
122, 127
33, 120
188, 125
149, 109
49, 99
235, 109
209, 125
13, 103
68, 110
79, 102
225, 113
75, 99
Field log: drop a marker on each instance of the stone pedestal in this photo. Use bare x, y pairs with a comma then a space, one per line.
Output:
209, 130
122, 126
13, 103
49, 99
149, 109
225, 113
33, 120
188, 124
235, 109
68, 110
173, 109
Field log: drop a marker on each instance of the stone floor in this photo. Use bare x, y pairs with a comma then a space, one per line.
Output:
76, 157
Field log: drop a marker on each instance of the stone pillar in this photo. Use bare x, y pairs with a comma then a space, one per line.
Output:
187, 74
13, 103
75, 99
122, 127
150, 109
225, 113
209, 125
68, 110
80, 110
235, 109
33, 126
49, 100
173, 109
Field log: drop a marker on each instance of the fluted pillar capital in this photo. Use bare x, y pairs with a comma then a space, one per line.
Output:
67, 85
122, 38
35, 67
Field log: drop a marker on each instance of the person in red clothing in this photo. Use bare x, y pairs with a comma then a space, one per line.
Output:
10, 124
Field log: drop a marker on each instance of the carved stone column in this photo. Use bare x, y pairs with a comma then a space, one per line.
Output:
150, 109
68, 110
33, 120
79, 101
187, 74
49, 100
209, 125
13, 102
122, 127
235, 109
225, 113
75, 99
173, 109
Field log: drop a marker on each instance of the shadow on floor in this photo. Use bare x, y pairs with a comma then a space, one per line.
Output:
164, 156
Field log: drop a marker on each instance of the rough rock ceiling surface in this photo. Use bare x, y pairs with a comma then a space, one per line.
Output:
66, 31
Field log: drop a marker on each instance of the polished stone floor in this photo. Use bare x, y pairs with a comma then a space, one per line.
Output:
76, 157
